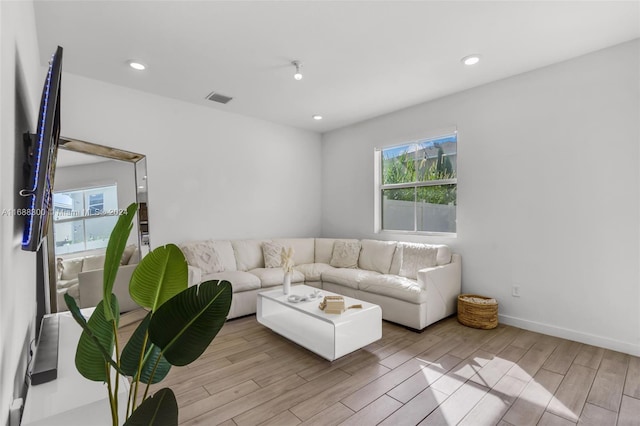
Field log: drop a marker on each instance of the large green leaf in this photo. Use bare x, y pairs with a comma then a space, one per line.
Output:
159, 410
130, 358
97, 340
187, 323
159, 276
115, 248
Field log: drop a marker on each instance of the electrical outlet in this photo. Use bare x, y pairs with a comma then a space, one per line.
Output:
515, 291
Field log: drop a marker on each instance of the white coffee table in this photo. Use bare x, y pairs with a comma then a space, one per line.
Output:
328, 335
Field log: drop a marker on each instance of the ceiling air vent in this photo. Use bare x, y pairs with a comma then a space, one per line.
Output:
217, 97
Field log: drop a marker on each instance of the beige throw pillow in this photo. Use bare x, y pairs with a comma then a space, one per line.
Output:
272, 253
201, 255
416, 257
345, 254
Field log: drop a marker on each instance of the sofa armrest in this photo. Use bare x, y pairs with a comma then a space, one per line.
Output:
442, 284
90, 288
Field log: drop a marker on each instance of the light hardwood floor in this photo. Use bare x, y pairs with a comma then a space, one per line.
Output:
449, 374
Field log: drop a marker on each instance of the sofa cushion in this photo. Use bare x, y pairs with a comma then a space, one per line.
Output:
303, 249
394, 286
225, 253
240, 280
394, 269
202, 255
272, 252
270, 277
135, 257
347, 277
313, 271
71, 268
248, 254
91, 263
416, 257
376, 255
127, 253
444, 254
323, 250
345, 254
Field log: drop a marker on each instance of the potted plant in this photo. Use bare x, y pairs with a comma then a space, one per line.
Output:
181, 323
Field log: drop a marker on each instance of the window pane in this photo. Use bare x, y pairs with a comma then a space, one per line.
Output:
98, 231
399, 164
437, 158
67, 205
398, 209
436, 208
69, 236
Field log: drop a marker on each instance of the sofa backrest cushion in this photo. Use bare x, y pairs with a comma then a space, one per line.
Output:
394, 269
345, 254
92, 263
248, 254
376, 255
444, 254
303, 249
225, 253
71, 268
202, 255
324, 250
126, 254
416, 256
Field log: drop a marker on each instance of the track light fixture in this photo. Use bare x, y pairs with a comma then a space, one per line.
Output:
298, 74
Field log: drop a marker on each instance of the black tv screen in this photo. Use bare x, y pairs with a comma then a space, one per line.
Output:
41, 158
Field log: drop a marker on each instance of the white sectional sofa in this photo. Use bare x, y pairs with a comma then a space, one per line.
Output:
414, 284
81, 278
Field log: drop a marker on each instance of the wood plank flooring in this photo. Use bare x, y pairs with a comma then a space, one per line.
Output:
449, 374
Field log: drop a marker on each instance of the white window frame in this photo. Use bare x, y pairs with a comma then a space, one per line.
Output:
379, 187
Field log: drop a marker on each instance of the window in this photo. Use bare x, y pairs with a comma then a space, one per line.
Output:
416, 186
83, 219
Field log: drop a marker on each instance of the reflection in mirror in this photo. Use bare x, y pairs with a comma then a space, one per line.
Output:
92, 184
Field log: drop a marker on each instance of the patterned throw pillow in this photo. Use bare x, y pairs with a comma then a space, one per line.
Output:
345, 254
272, 254
201, 255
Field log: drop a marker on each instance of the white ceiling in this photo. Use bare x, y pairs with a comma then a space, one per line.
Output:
360, 59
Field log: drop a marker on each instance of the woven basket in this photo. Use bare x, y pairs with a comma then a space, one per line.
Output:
477, 315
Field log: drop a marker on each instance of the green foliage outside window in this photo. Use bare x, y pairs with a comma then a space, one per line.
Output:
405, 168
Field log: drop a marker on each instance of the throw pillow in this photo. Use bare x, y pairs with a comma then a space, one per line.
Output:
71, 268
201, 255
272, 254
416, 257
345, 254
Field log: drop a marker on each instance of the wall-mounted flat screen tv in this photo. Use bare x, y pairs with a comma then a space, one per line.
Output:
40, 163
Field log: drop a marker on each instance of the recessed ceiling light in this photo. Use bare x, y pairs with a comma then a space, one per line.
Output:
138, 66
471, 59
317, 117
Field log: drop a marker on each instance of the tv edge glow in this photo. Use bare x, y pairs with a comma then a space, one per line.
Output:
41, 158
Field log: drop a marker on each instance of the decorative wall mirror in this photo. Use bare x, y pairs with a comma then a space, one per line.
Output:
92, 184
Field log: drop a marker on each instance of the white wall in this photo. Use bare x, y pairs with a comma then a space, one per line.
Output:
20, 82
548, 192
211, 174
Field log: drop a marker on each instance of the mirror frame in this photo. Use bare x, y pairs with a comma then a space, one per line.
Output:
139, 162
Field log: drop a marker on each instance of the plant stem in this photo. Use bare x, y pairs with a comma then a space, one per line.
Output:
140, 363
153, 373
117, 385
114, 411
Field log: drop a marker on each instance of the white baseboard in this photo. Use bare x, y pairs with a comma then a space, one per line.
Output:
565, 333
